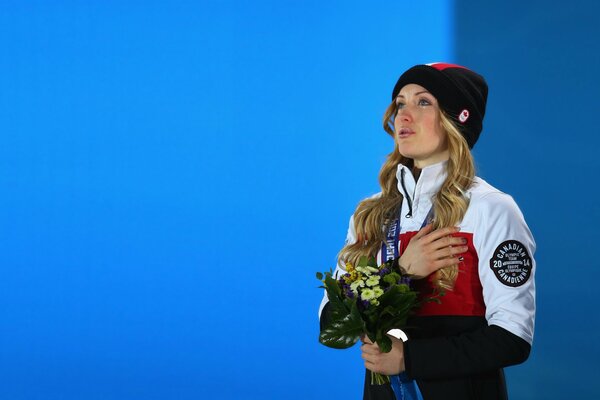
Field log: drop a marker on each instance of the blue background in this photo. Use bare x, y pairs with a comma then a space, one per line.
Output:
172, 175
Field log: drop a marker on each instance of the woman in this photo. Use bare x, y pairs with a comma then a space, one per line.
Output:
465, 238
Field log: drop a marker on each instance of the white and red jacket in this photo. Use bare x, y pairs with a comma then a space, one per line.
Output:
457, 347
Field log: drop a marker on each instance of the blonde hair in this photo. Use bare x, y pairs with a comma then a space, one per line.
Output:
449, 204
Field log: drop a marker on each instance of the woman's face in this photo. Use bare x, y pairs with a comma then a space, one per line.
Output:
417, 127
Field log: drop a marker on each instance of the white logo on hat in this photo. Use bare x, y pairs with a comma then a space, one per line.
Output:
464, 116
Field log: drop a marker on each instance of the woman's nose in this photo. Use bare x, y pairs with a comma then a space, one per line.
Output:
404, 114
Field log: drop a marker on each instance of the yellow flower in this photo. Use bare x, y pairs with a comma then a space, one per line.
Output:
367, 294
378, 291
356, 284
373, 280
367, 270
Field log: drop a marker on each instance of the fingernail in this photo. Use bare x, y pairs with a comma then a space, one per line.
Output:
461, 258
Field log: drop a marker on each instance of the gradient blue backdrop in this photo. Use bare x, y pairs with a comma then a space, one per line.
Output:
173, 173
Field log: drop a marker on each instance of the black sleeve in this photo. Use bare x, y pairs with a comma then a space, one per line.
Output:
487, 349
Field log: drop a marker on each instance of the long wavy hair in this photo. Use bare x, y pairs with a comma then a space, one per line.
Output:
450, 203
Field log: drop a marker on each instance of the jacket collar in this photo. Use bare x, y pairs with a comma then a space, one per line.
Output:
431, 179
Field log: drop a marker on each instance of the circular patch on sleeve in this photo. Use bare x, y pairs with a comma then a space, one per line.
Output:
511, 263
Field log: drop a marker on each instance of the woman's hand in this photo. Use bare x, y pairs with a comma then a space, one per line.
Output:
429, 251
391, 363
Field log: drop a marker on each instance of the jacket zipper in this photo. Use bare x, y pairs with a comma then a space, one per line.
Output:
409, 201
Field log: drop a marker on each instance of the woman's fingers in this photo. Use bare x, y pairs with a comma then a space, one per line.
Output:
438, 234
371, 349
447, 241
430, 250
449, 252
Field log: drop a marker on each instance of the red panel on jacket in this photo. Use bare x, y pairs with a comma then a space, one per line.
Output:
467, 296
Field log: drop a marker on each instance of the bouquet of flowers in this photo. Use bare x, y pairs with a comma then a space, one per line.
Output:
366, 300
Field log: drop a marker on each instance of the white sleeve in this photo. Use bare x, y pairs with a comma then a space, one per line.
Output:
505, 248
350, 238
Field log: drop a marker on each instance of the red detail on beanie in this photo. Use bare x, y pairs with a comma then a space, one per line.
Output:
464, 116
442, 66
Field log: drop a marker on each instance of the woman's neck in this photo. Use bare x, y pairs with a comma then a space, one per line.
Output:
432, 159
416, 171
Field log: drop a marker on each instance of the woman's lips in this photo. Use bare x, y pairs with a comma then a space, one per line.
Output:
405, 132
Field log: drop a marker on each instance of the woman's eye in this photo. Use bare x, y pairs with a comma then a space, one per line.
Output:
424, 102
399, 106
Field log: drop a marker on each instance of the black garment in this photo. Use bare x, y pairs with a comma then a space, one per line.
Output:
480, 387
465, 363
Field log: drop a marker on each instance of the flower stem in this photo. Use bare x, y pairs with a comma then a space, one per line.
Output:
378, 379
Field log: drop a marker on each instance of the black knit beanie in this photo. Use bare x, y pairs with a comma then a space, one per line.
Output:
460, 92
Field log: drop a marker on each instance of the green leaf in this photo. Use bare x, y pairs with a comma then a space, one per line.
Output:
397, 298
395, 307
391, 278
349, 302
363, 261
319, 276
404, 287
338, 307
388, 310
345, 332
334, 292
393, 323
384, 343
